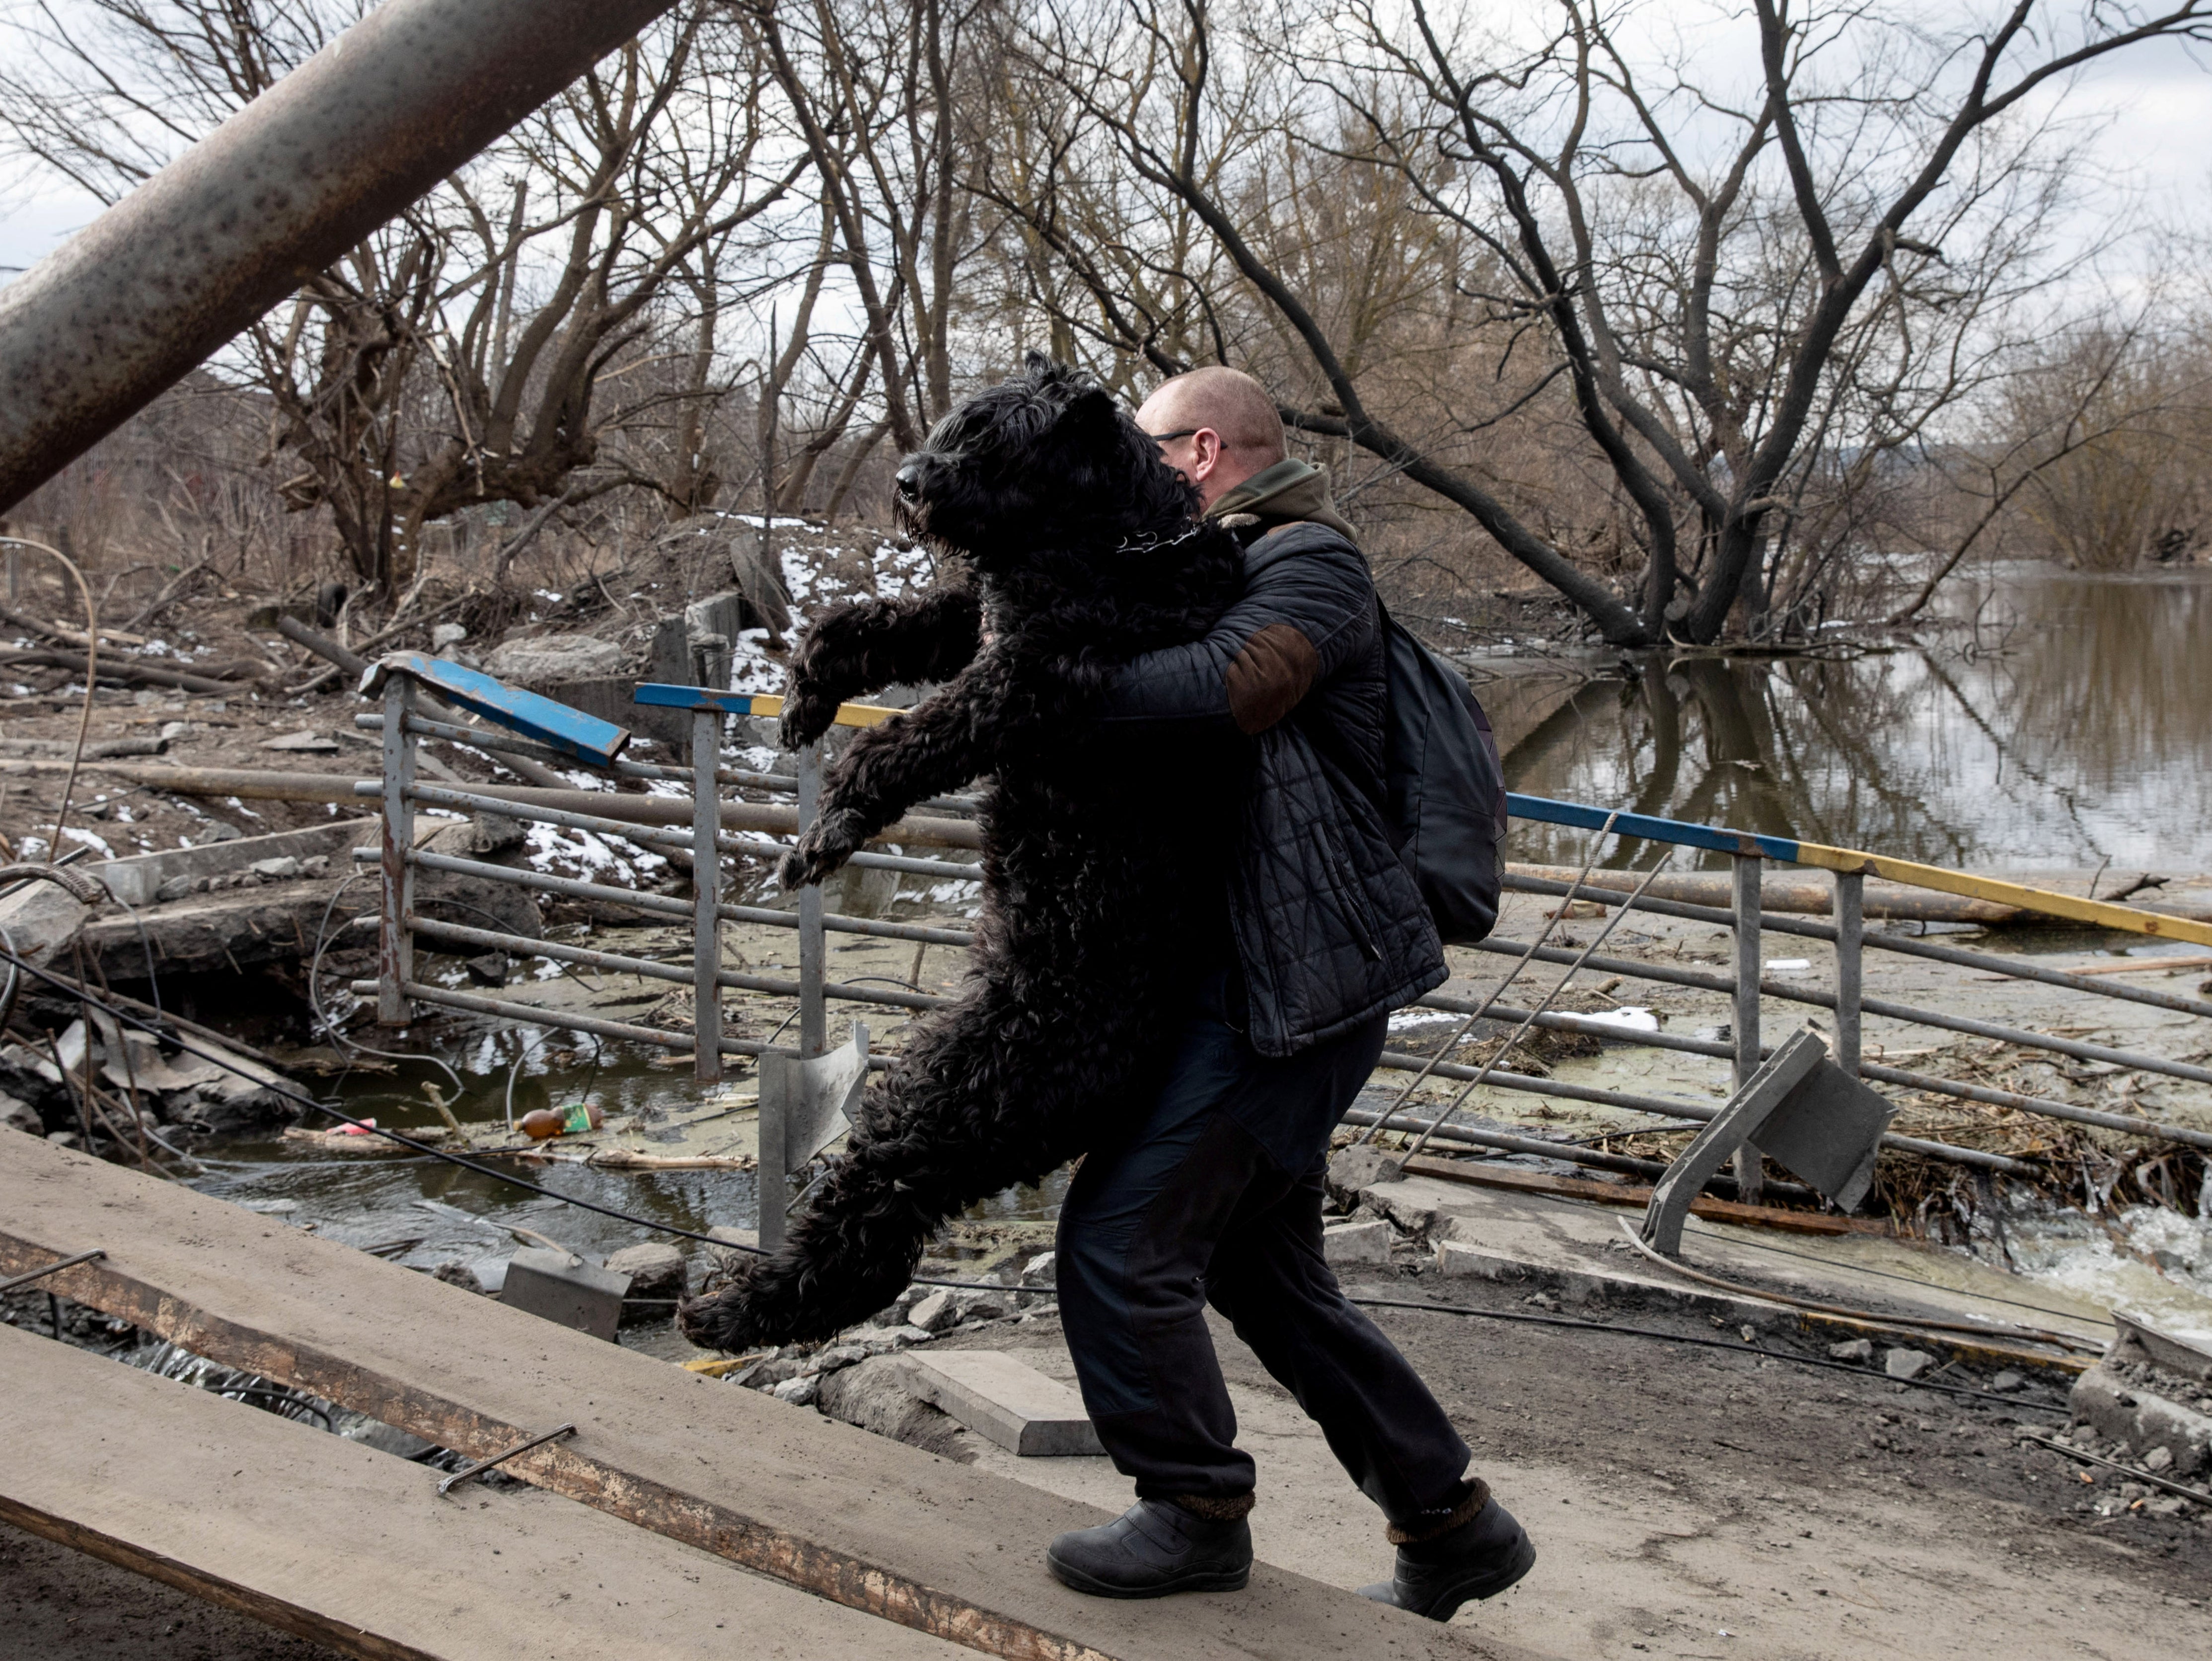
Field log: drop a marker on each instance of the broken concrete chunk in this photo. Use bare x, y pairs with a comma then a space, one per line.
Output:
1907, 1363
938, 1311
1350, 1243
894, 1313
1007, 1400
656, 1276
276, 869
307, 743
458, 1275
800, 1392
20, 1116
875, 1396
2009, 1381
1853, 1349
1357, 1168
1039, 1273
443, 635
40, 917
551, 658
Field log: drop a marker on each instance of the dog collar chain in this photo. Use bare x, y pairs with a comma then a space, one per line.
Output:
1153, 545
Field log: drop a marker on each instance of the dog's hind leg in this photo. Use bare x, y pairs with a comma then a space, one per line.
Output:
868, 644
1001, 1092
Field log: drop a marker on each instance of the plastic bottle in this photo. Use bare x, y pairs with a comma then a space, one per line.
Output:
547, 1121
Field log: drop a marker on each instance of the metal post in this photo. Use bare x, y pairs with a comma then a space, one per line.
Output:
1745, 868
781, 1080
127, 306
814, 1027
706, 894
395, 945
1850, 934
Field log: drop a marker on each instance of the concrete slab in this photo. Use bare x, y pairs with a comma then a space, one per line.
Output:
137, 879
338, 1543
1008, 1400
1576, 1250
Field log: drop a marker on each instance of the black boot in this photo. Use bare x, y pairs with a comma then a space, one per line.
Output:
1479, 1559
1153, 1549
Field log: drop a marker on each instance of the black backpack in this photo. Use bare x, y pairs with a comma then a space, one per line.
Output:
1445, 786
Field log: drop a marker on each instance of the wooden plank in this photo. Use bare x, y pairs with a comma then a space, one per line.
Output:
1625, 1193
334, 1542
856, 1518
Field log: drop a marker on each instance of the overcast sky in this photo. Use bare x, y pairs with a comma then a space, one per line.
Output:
2157, 100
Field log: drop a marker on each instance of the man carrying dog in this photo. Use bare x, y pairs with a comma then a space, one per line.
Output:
1218, 1198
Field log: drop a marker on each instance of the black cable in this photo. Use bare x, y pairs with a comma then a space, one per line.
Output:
1693, 1339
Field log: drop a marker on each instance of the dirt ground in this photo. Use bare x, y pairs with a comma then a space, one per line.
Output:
1691, 1502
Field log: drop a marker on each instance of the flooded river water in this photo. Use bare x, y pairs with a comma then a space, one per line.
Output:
2066, 722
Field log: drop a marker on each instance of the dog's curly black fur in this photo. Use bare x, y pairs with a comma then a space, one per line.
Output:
1104, 862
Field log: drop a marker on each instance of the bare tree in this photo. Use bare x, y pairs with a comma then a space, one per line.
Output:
456, 357
872, 92
1735, 282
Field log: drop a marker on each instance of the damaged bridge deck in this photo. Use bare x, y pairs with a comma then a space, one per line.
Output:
895, 1551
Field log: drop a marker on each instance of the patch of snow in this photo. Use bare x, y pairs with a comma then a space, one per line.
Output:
1629, 1018
1407, 1019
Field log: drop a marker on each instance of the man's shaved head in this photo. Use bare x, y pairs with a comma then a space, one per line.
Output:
1217, 427
1229, 401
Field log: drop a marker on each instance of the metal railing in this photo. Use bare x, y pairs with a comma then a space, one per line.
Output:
706, 844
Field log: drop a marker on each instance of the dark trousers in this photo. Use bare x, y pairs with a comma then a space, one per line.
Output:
1218, 1199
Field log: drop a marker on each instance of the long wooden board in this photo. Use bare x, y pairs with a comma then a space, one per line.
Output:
353, 1549
851, 1517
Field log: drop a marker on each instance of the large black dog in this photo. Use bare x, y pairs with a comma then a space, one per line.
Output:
1105, 861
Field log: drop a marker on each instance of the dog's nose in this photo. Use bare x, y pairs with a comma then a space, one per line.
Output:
909, 482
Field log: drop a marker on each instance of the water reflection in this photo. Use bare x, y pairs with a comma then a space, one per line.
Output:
2071, 724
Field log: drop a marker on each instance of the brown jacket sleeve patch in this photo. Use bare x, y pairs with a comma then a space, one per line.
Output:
1275, 670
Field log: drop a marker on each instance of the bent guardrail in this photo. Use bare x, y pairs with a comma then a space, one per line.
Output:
704, 830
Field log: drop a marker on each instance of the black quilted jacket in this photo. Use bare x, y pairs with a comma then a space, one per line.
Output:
1330, 928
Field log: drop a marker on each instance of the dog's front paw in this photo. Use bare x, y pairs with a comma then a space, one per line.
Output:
807, 714
820, 852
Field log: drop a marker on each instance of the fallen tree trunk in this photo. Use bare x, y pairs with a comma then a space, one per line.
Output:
125, 670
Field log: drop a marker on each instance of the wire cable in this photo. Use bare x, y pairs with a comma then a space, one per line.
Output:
1699, 1341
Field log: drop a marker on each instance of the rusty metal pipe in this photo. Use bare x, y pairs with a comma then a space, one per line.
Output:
124, 309
488, 939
